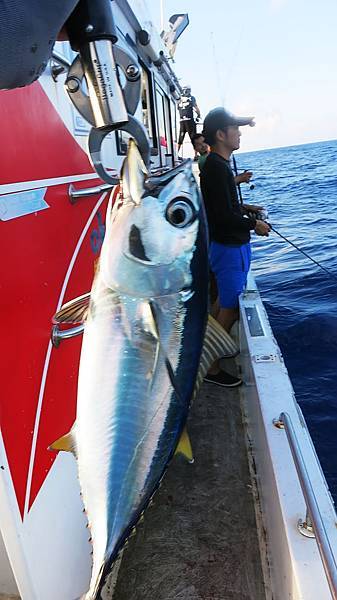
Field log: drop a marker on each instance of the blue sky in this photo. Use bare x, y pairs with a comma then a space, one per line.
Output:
272, 59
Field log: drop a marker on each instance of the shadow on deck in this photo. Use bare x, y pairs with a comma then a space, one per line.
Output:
199, 540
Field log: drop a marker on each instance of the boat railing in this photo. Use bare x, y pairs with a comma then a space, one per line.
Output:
313, 526
57, 335
76, 194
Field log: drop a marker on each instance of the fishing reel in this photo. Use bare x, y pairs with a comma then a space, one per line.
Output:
94, 84
262, 215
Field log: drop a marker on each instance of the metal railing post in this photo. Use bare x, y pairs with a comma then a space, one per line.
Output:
314, 518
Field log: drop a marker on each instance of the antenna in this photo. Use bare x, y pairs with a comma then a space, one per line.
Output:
162, 15
218, 75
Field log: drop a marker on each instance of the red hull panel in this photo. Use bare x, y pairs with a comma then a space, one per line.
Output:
37, 250
35, 142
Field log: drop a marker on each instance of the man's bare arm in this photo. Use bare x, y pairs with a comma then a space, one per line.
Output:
197, 110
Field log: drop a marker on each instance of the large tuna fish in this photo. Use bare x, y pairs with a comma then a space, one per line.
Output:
143, 337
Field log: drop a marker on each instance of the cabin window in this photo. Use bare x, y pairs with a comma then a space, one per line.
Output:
173, 108
147, 105
161, 120
164, 118
147, 118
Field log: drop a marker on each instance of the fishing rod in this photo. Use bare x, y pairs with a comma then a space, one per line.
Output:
263, 215
302, 251
251, 187
236, 173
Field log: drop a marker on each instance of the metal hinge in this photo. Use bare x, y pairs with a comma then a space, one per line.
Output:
266, 358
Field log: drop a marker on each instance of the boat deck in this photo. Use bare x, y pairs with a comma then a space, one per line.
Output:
198, 540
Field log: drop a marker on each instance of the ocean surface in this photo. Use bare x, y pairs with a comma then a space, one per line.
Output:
298, 186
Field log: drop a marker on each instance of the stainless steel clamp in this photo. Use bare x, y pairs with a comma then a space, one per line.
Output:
94, 81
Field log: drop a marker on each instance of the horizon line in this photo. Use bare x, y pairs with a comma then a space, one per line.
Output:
286, 146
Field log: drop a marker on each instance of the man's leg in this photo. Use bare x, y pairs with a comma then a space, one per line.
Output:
213, 295
227, 280
227, 317
230, 270
225, 262
192, 129
182, 132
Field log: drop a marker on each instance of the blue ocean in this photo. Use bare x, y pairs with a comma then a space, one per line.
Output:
298, 186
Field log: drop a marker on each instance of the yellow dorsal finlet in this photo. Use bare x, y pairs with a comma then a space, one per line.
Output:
184, 447
65, 443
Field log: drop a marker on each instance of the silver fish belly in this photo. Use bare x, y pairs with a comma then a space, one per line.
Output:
126, 438
145, 322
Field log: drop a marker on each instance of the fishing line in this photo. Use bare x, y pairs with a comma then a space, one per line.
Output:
330, 273
303, 252
225, 69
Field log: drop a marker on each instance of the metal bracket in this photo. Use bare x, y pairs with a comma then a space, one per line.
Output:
305, 527
56, 70
95, 141
278, 423
265, 358
57, 335
250, 294
75, 84
97, 70
75, 194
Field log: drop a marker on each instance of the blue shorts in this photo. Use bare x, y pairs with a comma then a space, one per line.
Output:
230, 265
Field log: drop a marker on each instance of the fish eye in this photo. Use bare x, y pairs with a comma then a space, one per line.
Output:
180, 212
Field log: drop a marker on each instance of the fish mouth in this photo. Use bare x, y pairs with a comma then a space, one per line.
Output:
136, 248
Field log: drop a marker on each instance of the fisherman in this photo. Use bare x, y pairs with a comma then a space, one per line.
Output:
186, 106
229, 223
201, 148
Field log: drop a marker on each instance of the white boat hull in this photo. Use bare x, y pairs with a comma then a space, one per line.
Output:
295, 565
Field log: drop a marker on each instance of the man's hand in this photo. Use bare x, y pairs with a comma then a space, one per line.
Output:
262, 228
62, 35
252, 208
244, 177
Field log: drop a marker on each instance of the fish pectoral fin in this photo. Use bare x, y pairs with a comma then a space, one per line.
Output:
138, 318
154, 330
66, 443
149, 320
184, 447
75, 311
217, 344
